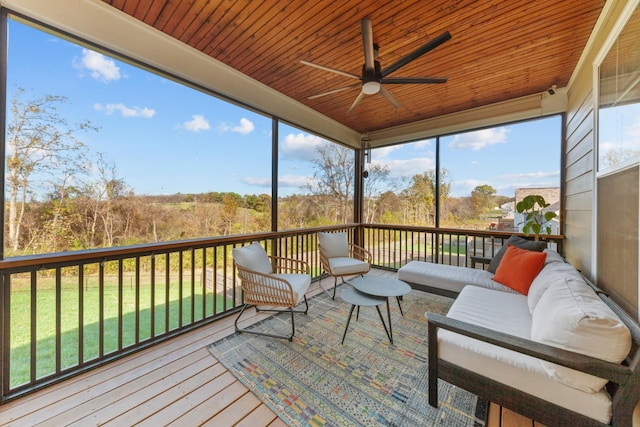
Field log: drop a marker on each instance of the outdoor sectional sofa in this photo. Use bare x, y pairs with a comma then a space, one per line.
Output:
508, 346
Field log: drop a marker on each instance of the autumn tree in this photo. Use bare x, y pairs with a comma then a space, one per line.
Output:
375, 184
333, 179
420, 196
482, 198
230, 206
40, 142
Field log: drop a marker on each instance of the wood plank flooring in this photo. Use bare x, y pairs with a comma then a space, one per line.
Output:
177, 383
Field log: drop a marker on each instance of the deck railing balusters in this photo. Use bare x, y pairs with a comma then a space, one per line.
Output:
207, 260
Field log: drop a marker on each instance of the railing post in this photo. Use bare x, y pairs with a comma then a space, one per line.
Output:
5, 316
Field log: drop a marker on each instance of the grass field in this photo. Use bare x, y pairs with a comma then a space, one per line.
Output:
71, 320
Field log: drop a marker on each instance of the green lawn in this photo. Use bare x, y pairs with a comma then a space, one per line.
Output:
45, 322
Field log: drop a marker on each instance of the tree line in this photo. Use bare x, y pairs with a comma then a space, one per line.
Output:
87, 205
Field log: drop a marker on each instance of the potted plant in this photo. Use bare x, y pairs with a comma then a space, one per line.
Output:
532, 207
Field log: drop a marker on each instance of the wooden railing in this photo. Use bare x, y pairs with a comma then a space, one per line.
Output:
392, 246
65, 313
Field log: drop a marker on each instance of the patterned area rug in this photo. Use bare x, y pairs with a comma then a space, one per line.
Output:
316, 381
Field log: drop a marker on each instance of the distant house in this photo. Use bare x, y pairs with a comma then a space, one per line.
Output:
551, 195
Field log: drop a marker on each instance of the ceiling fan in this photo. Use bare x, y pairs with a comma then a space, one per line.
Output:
373, 76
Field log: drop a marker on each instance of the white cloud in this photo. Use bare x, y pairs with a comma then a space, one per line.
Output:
529, 176
479, 139
423, 143
286, 181
293, 181
245, 127
99, 66
409, 167
197, 124
384, 152
125, 111
300, 146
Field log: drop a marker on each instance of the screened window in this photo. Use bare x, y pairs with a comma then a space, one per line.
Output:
102, 153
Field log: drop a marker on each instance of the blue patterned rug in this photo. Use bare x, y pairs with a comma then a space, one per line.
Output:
316, 381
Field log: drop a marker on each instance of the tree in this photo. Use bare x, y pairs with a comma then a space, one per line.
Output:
40, 141
420, 196
376, 181
230, 206
334, 179
482, 198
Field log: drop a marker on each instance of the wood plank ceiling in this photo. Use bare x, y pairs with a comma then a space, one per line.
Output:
499, 49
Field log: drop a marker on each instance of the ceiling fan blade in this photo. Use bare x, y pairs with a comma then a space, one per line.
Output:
430, 45
357, 101
413, 80
331, 70
389, 97
367, 42
340, 89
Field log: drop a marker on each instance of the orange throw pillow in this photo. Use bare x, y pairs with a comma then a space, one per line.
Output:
519, 267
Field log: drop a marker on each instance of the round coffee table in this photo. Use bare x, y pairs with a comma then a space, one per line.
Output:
382, 287
359, 299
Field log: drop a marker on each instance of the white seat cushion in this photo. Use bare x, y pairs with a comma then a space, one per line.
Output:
253, 257
299, 284
508, 312
448, 277
571, 316
341, 266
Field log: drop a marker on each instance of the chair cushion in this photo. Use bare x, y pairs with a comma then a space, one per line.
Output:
518, 242
334, 244
253, 257
299, 284
519, 267
344, 266
571, 316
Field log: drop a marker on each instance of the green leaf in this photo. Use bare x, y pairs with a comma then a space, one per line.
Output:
535, 228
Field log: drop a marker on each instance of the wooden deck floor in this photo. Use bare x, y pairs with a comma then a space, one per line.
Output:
175, 383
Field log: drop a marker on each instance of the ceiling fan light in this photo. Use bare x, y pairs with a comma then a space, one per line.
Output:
371, 88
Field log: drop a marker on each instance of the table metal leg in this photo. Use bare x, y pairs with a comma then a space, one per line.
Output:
385, 326
400, 305
349, 321
389, 317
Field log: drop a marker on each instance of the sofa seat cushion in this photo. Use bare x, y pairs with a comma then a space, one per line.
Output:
448, 277
571, 316
346, 266
508, 313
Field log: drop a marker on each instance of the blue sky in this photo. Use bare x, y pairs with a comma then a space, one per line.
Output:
164, 138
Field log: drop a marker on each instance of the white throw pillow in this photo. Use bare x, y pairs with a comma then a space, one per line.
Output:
571, 316
334, 244
253, 257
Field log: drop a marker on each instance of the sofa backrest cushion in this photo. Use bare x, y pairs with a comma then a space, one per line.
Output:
518, 242
552, 256
519, 267
571, 316
551, 273
253, 257
334, 244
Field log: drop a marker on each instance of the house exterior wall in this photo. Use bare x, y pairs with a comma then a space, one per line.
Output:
578, 149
